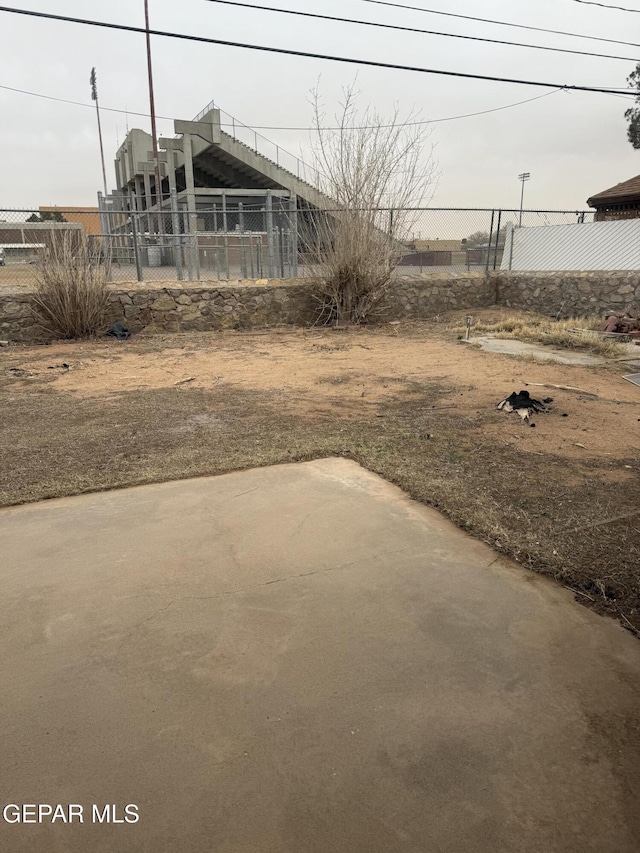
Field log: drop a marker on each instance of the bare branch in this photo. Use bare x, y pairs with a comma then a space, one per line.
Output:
375, 169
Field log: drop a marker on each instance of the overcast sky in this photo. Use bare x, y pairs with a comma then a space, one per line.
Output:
573, 144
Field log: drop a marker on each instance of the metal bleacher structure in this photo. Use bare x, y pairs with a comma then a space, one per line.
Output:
221, 204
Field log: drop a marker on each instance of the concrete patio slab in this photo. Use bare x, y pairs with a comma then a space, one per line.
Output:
510, 346
300, 659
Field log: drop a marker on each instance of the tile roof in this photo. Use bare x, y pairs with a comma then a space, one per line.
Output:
623, 192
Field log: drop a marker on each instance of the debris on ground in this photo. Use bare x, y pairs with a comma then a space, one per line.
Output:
634, 378
625, 323
184, 381
19, 372
63, 366
118, 330
524, 404
562, 388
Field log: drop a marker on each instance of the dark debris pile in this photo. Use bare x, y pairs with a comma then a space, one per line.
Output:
525, 405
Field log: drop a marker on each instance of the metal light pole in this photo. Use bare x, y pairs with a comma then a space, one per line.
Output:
154, 135
523, 177
93, 80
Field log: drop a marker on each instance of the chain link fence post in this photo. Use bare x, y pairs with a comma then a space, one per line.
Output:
270, 245
134, 235
293, 228
495, 254
493, 217
177, 238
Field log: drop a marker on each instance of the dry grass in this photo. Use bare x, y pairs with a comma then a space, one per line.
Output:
70, 296
538, 329
579, 525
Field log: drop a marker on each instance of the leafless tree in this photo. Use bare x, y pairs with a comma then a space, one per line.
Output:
375, 170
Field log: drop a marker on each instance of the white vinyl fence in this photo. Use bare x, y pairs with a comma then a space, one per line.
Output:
583, 247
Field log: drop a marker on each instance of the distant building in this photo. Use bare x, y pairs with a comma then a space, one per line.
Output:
436, 245
213, 176
619, 202
26, 241
432, 253
216, 200
88, 217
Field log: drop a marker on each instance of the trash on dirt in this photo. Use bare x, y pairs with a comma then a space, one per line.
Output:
63, 366
184, 381
561, 388
118, 330
634, 378
626, 322
4, 343
524, 404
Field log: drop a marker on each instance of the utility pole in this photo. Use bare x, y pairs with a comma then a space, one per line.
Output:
93, 80
154, 135
523, 177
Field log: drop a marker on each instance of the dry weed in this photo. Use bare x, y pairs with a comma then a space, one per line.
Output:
555, 333
70, 297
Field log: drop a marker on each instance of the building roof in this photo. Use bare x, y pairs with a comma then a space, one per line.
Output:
624, 192
23, 245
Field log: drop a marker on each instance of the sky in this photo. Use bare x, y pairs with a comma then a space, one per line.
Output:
573, 144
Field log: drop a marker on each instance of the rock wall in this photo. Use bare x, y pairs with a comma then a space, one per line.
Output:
16, 319
420, 296
567, 294
203, 306
199, 306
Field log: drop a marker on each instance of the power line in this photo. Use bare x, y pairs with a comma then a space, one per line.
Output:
606, 6
426, 121
327, 57
500, 23
80, 103
297, 129
417, 30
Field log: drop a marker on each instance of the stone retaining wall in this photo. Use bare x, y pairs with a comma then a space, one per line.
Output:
567, 294
203, 306
420, 296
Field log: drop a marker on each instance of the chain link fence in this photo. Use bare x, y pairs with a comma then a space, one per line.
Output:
250, 241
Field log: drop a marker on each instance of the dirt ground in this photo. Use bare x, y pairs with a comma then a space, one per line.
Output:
408, 401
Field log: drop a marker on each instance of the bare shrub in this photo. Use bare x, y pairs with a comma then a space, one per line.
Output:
375, 170
70, 298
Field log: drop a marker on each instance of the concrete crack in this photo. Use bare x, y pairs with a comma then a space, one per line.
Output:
255, 489
324, 571
227, 593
